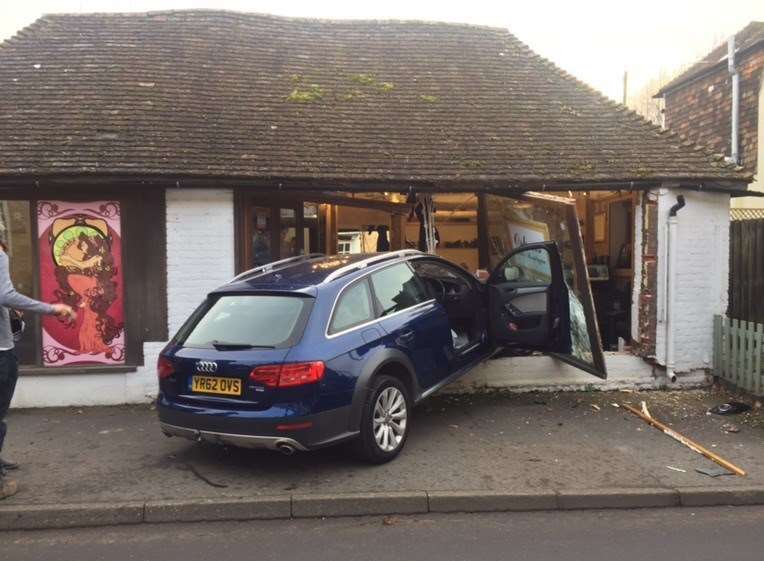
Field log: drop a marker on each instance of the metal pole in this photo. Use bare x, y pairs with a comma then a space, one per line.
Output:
625, 86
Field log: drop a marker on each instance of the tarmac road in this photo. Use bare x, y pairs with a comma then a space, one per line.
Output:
704, 534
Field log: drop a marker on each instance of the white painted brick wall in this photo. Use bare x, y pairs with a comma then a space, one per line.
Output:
200, 248
701, 276
200, 257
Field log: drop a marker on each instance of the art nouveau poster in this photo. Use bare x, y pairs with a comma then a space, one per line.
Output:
80, 249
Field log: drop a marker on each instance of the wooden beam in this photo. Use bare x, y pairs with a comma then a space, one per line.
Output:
691, 444
397, 232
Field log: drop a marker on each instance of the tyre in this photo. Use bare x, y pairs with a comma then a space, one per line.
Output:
385, 421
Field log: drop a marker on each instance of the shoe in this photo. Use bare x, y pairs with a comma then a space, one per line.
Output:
8, 466
8, 488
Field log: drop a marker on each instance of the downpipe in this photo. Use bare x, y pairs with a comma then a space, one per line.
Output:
671, 287
734, 156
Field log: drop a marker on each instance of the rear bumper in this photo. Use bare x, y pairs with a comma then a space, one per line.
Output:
254, 429
282, 444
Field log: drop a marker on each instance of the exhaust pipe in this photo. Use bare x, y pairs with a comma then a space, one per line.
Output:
285, 448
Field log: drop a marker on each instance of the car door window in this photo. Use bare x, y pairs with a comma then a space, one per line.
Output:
427, 268
529, 266
353, 308
397, 288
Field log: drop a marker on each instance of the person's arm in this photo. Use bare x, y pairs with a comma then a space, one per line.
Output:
12, 299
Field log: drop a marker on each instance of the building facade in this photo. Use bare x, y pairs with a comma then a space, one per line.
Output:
145, 159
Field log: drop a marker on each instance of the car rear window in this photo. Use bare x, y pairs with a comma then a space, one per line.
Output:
249, 320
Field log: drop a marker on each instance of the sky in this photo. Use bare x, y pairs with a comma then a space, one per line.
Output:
595, 40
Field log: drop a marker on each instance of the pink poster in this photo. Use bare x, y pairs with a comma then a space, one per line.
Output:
80, 248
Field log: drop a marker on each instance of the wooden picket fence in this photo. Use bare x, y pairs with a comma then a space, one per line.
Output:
738, 350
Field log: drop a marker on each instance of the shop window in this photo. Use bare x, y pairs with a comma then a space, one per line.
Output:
314, 228
261, 235
280, 230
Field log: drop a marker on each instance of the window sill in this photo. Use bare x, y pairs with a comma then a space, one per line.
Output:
69, 370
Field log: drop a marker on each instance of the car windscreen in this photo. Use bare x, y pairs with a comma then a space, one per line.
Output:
249, 320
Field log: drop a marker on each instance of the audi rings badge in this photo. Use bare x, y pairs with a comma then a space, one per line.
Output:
207, 366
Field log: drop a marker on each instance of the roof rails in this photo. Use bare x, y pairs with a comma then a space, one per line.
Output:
269, 267
363, 263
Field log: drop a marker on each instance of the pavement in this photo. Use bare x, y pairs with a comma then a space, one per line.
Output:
466, 453
706, 534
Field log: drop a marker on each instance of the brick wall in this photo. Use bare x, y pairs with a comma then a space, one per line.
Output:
645, 294
701, 108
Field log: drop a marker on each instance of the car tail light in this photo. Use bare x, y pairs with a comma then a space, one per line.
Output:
165, 368
300, 373
266, 375
288, 375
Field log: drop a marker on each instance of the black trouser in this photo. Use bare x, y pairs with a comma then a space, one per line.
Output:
9, 374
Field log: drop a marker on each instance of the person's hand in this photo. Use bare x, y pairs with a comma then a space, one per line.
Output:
64, 311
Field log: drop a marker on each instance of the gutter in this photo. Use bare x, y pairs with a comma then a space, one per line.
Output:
671, 286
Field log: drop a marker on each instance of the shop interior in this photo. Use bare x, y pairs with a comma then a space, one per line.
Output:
373, 222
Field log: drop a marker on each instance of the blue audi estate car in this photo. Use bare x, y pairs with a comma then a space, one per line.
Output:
317, 350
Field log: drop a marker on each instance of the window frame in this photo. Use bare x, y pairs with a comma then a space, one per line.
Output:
460, 273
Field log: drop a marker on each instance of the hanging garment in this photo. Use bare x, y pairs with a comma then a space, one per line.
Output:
383, 244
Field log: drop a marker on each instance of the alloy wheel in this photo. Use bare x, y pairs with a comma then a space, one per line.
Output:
389, 419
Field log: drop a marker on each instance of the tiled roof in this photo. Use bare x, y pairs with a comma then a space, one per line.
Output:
751, 35
224, 94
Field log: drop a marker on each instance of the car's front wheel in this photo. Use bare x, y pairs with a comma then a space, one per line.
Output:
384, 420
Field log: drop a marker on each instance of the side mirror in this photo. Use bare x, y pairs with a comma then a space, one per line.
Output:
482, 275
511, 273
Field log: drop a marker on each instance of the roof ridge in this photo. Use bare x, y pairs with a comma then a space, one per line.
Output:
263, 15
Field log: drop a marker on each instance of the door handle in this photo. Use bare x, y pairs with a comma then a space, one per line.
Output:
406, 336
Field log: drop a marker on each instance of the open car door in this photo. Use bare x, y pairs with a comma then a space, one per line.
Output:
538, 294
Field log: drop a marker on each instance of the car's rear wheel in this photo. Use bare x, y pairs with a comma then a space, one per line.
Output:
385, 420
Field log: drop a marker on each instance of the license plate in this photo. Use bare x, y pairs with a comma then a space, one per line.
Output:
215, 385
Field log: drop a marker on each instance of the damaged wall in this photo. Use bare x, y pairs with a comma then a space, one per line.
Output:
645, 297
